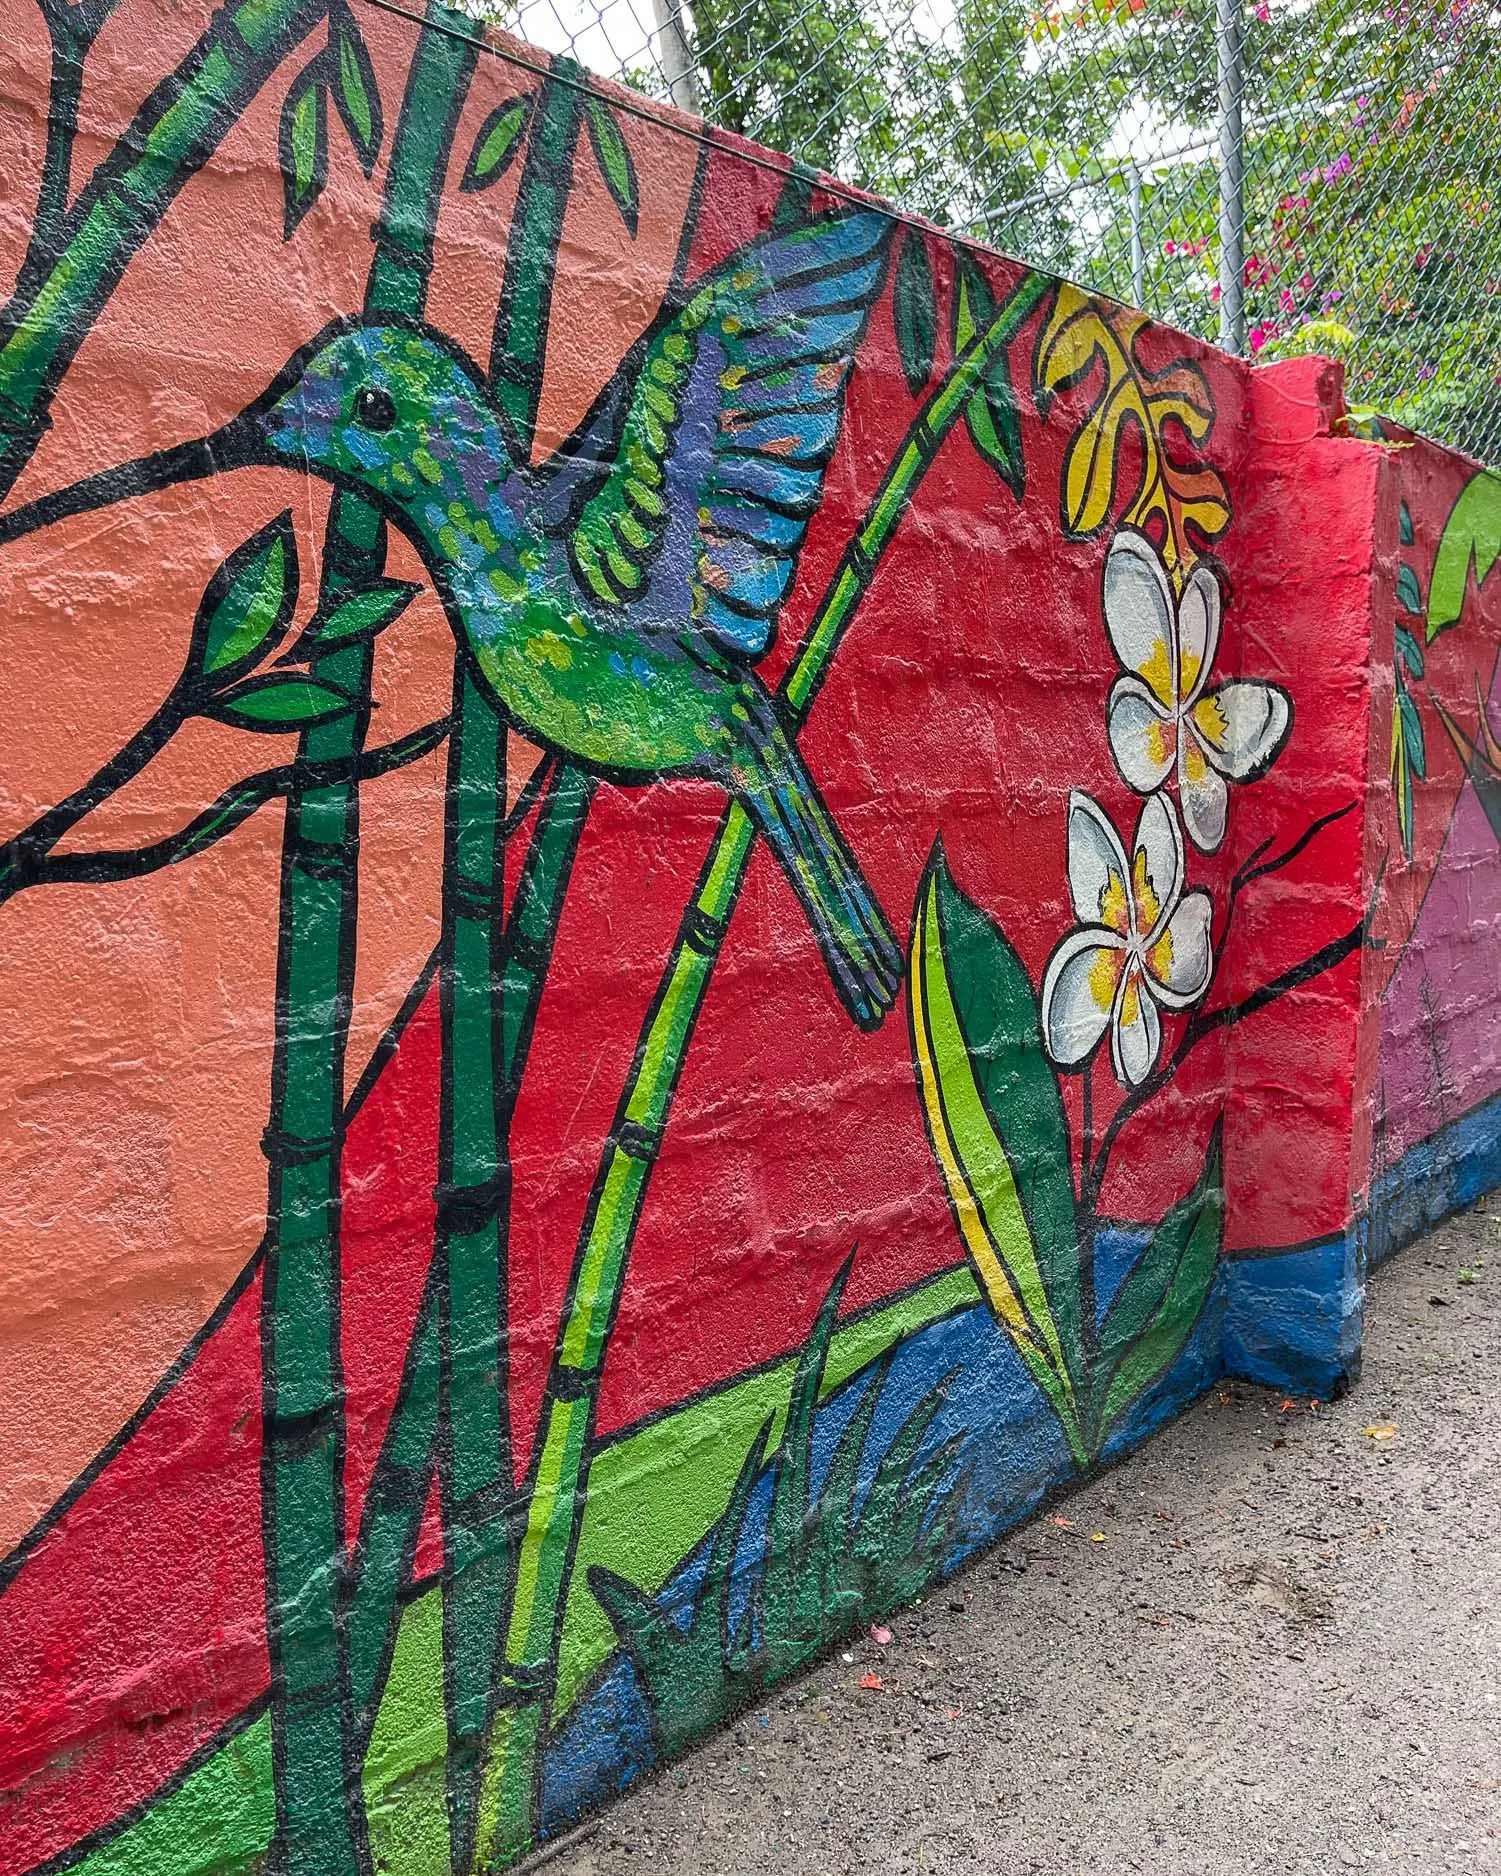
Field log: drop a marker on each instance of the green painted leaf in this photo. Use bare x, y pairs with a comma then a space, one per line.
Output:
1412, 733
248, 605
1409, 593
991, 415
356, 92
996, 1122
498, 143
1471, 539
1404, 525
974, 303
1161, 1299
302, 144
614, 160
914, 311
361, 615
1409, 650
278, 703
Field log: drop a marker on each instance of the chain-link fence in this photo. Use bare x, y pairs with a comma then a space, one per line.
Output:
1282, 175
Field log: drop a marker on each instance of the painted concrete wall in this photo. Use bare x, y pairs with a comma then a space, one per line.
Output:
718, 895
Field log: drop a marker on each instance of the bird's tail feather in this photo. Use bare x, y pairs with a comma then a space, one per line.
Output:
857, 943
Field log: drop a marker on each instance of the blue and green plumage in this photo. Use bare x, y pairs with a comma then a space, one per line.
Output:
615, 601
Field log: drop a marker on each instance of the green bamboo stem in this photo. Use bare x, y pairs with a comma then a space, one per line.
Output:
477, 1093
171, 137
512, 1764
398, 1491
315, 1748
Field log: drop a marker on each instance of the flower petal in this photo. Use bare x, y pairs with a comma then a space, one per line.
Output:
1204, 795
1156, 867
1138, 606
1198, 630
1143, 736
1096, 866
1243, 726
1136, 1033
1179, 963
1079, 993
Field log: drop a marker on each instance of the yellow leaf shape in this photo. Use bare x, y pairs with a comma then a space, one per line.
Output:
1088, 339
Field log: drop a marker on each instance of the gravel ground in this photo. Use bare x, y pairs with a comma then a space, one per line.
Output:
1281, 1654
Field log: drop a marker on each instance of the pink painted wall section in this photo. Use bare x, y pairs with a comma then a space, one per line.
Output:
697, 889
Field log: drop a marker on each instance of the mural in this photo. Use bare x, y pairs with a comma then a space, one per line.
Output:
1434, 1141
685, 897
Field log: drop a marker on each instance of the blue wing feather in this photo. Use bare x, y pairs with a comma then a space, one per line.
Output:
733, 419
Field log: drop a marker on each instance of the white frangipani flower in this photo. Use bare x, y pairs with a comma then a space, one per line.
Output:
1141, 943
1161, 715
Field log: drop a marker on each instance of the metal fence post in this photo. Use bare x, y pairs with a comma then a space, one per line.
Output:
677, 61
1229, 35
1138, 246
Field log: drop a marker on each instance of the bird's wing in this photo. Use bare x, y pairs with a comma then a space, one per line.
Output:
733, 417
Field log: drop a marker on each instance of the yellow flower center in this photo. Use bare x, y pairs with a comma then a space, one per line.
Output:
1114, 911
1209, 719
1131, 1001
1104, 975
1148, 905
1158, 672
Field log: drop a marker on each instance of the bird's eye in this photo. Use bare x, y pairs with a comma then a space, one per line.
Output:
373, 408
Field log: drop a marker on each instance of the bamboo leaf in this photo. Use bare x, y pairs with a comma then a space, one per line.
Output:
1409, 594
974, 304
247, 605
302, 145
1404, 525
613, 156
995, 427
498, 143
996, 1123
278, 703
361, 615
1162, 1298
1413, 742
1409, 650
1471, 539
356, 91
914, 311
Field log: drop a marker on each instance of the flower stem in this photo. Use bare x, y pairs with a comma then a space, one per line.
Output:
315, 1744
556, 1503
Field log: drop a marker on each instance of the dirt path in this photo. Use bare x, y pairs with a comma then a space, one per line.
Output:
1284, 1656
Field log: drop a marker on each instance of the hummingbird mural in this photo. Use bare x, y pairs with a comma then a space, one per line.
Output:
614, 601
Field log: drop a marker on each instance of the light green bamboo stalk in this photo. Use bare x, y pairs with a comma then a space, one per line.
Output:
513, 1758
315, 1740
171, 137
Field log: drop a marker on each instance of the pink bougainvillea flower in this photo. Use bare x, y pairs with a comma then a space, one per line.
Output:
1162, 716
1141, 945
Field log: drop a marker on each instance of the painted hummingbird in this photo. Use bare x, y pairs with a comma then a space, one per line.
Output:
614, 601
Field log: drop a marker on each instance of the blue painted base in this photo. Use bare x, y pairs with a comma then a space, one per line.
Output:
1445, 1173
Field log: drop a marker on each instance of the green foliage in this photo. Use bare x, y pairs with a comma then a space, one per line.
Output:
1157, 1306
274, 703
991, 416
830, 1560
998, 1129
498, 143
613, 156
914, 311
247, 606
1470, 543
355, 89
302, 144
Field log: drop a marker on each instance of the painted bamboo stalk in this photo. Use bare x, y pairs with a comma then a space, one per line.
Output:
476, 1479
170, 138
399, 1488
315, 1756
512, 1761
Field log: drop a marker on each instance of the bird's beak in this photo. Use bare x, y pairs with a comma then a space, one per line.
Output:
234, 445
